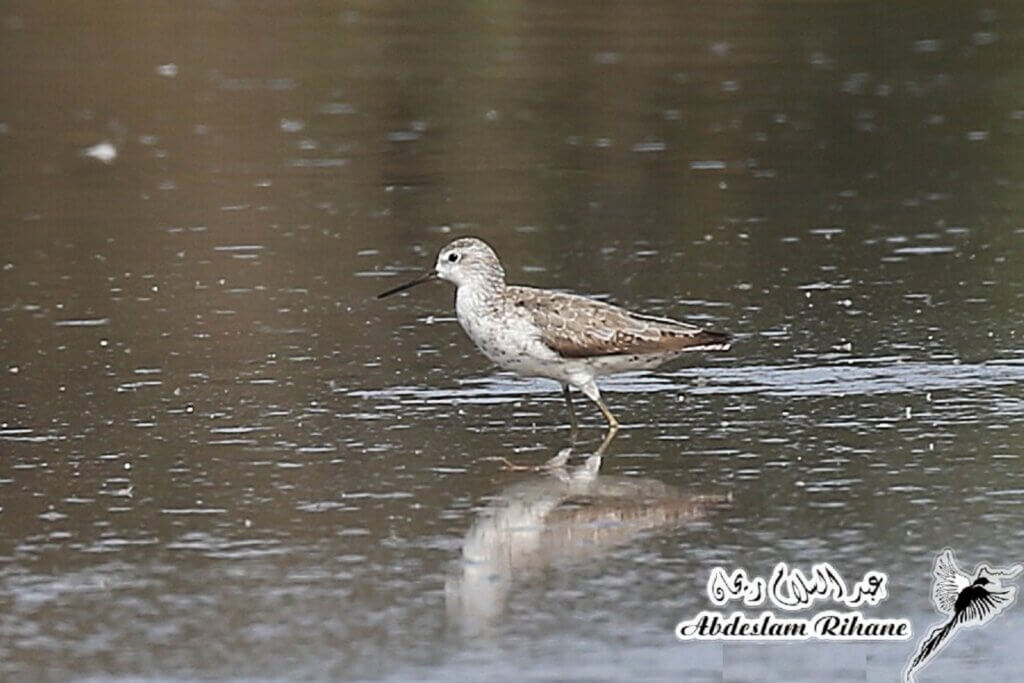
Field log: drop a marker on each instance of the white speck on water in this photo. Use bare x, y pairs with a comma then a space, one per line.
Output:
820, 60
104, 343
292, 125
607, 57
708, 165
104, 152
237, 247
855, 83
721, 48
403, 136
983, 38
977, 135
169, 70
924, 250
653, 146
334, 108
193, 511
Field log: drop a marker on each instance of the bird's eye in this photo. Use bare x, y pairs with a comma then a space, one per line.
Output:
453, 257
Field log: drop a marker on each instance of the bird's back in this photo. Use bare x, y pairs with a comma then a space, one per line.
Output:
578, 327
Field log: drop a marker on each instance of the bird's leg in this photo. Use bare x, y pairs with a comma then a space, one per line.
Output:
590, 390
605, 442
574, 425
613, 424
554, 463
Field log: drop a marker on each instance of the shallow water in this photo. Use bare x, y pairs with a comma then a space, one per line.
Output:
222, 459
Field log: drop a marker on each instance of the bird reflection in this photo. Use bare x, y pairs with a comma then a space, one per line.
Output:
560, 516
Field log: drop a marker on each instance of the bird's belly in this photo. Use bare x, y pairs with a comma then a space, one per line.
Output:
514, 349
521, 357
529, 365
612, 364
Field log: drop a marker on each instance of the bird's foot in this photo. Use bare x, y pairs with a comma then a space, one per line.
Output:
554, 463
510, 466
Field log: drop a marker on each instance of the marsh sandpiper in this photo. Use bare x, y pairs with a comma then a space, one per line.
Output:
544, 333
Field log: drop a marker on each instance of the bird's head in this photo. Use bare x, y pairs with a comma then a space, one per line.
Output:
468, 260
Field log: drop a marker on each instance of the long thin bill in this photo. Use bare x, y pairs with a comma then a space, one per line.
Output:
426, 277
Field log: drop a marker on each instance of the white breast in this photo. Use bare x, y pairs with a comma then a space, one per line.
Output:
510, 340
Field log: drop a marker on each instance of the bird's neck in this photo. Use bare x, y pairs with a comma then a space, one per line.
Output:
481, 297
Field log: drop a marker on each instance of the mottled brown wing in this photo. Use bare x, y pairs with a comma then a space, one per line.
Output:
577, 327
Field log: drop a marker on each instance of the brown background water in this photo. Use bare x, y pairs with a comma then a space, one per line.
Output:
221, 458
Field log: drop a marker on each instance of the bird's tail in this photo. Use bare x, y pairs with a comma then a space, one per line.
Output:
928, 646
